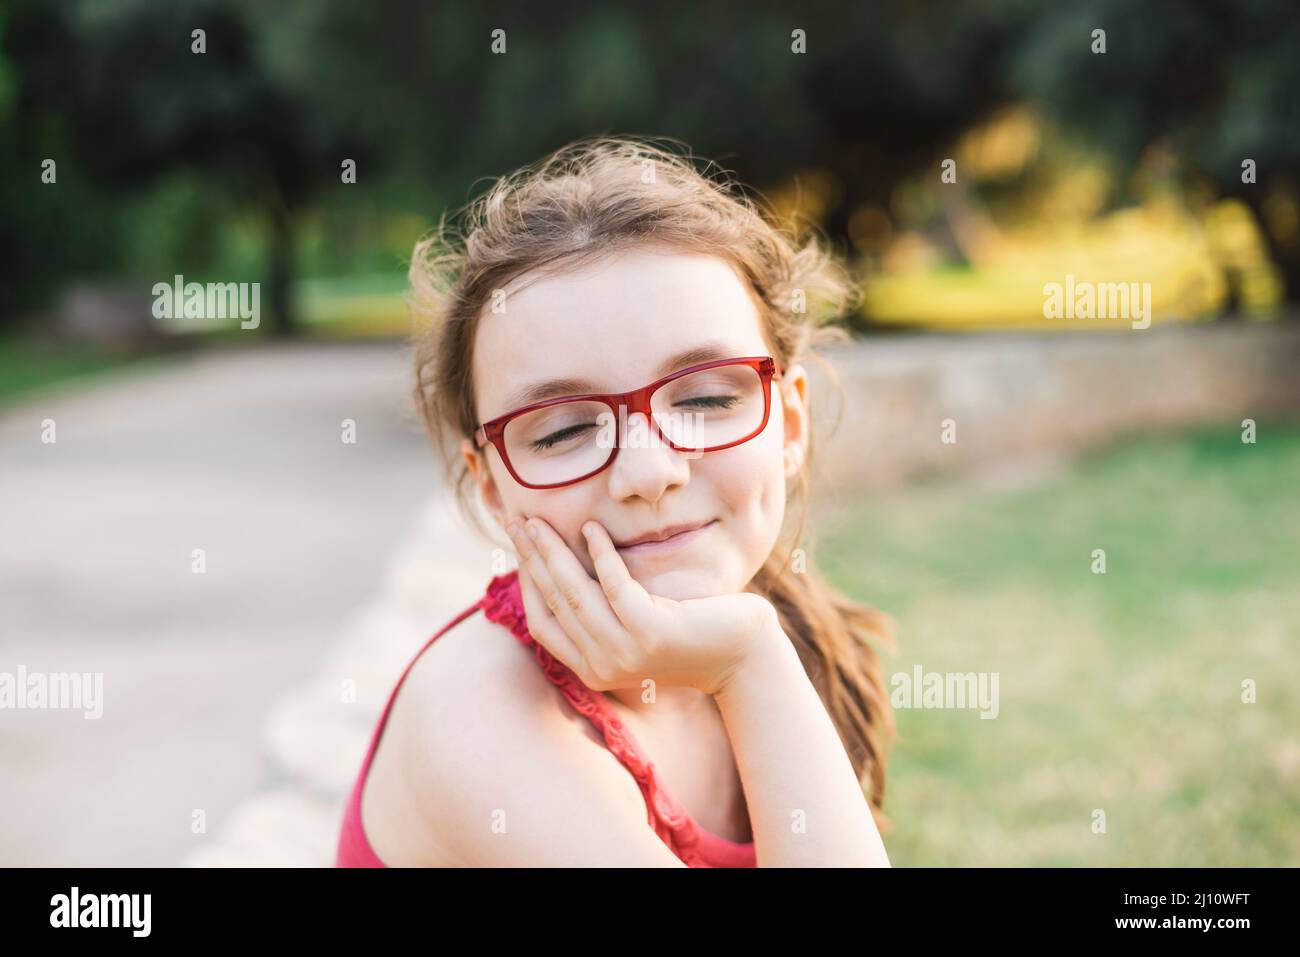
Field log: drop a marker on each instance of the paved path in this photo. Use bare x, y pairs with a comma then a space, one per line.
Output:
222, 689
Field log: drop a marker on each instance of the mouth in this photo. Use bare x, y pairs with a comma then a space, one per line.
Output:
666, 540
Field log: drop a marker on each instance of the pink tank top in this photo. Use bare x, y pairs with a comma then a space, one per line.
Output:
503, 603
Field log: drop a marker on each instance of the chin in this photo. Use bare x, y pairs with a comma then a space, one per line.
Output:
684, 583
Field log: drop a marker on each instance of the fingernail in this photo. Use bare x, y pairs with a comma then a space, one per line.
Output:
532, 531
588, 530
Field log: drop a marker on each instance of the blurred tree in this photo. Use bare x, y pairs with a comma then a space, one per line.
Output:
1216, 81
881, 90
416, 95
285, 91
119, 95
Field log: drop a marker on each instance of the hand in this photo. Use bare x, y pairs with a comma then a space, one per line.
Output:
614, 634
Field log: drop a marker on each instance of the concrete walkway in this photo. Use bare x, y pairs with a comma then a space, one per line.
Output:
217, 708
316, 735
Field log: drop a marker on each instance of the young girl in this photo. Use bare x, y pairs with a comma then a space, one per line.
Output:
614, 361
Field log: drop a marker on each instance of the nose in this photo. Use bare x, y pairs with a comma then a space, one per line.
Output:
646, 465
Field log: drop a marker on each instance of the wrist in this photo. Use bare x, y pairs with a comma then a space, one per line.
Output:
768, 655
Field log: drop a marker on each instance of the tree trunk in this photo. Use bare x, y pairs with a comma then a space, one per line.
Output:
279, 283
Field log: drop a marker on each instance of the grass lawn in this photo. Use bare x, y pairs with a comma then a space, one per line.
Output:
26, 367
364, 307
355, 307
1119, 691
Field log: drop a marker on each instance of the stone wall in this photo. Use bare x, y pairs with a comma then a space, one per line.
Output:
1019, 398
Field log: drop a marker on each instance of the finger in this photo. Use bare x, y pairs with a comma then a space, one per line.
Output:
579, 590
626, 596
544, 628
555, 601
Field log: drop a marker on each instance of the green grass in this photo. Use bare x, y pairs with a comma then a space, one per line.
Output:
363, 307
355, 306
1118, 691
26, 367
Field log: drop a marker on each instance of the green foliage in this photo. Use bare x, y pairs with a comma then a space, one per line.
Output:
257, 126
1215, 81
170, 159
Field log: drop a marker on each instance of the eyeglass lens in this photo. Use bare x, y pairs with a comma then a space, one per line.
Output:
699, 411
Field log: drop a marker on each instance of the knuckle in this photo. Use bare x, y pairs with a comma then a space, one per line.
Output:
572, 595
602, 671
625, 662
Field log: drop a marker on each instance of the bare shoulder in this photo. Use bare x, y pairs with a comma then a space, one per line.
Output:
478, 677
475, 649
503, 770
478, 688
476, 667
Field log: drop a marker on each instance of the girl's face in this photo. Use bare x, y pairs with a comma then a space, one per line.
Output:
613, 326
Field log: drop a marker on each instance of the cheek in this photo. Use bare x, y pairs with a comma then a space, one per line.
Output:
751, 481
563, 509
751, 492
772, 503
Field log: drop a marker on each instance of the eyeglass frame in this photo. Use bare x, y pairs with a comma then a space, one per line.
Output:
637, 400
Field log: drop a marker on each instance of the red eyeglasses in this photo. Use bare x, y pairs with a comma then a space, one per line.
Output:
703, 408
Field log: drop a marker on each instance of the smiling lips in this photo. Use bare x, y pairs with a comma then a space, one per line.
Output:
663, 540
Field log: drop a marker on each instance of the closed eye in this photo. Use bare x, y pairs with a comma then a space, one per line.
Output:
712, 401
562, 435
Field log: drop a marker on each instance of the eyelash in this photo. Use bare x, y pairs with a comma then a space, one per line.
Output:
556, 437
713, 402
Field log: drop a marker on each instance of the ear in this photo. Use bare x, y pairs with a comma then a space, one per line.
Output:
489, 494
793, 385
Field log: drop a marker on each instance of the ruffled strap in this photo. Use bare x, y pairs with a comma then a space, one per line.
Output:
504, 604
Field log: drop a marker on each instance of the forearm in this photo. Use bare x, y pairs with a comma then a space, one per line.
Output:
805, 804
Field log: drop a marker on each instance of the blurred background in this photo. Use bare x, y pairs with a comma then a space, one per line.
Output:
959, 155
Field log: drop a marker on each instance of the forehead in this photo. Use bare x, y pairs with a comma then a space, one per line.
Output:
609, 326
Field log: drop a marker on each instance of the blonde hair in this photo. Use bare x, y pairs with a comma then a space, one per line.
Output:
594, 197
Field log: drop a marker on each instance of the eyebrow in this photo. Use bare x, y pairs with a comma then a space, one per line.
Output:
552, 388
